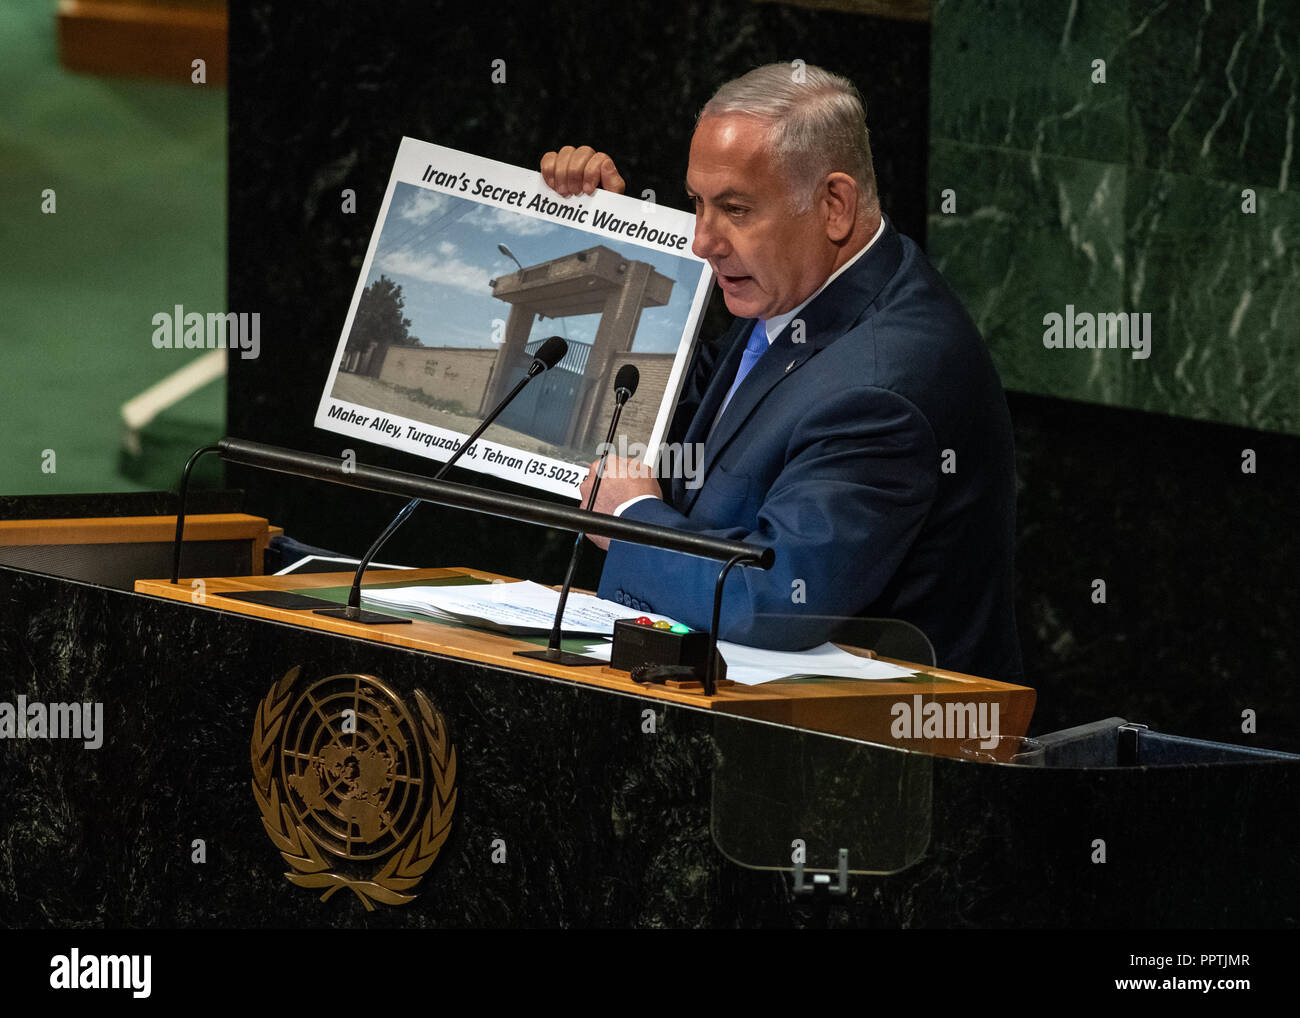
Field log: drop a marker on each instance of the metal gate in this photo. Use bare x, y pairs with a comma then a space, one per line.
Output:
546, 407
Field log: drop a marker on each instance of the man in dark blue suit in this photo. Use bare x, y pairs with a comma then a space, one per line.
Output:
854, 421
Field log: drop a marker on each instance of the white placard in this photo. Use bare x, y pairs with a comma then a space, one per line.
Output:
490, 262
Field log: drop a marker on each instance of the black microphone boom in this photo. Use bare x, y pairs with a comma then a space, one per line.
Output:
479, 500
550, 353
625, 383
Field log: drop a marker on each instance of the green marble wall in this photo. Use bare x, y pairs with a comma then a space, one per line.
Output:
1127, 195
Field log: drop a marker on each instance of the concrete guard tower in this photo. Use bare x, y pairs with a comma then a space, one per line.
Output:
597, 280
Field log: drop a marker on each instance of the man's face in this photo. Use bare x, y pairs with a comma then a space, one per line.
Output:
767, 259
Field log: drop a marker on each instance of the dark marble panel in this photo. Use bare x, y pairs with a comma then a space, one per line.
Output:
1214, 89
1031, 236
1199, 564
1198, 555
1221, 286
1018, 74
1200, 105
604, 824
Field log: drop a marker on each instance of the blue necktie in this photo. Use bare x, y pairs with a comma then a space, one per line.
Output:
754, 349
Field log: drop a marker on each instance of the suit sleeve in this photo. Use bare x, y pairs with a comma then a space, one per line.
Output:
859, 478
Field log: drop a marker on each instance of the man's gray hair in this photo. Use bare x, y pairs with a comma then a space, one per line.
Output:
818, 125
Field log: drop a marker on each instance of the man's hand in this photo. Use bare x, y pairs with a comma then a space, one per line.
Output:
580, 171
624, 479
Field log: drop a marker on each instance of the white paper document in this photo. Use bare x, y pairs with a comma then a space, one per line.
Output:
308, 560
519, 608
750, 665
526, 608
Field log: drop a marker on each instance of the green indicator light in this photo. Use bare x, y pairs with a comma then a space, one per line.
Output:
679, 628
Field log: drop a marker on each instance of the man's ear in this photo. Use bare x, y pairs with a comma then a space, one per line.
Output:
839, 202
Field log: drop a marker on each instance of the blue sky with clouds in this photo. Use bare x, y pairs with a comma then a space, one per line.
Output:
443, 252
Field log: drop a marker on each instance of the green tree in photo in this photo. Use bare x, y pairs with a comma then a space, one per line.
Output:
379, 318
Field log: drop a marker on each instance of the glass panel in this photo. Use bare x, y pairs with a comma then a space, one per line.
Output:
781, 794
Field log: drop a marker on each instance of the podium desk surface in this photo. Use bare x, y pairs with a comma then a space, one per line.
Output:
123, 529
860, 709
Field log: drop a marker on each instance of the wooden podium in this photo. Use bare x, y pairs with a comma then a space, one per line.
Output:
551, 797
116, 550
836, 706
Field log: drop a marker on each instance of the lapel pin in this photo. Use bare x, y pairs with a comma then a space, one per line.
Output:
789, 366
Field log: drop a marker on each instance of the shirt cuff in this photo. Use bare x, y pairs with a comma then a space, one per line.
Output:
631, 502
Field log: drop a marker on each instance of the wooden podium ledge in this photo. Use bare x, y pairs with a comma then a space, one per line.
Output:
133, 529
849, 707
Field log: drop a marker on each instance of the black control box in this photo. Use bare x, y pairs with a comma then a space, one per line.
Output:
638, 645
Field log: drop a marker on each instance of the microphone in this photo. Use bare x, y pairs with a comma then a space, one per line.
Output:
550, 353
625, 383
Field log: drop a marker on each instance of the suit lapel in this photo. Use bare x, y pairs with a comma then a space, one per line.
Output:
780, 361
733, 345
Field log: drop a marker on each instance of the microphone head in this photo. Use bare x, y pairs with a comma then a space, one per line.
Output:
626, 381
550, 352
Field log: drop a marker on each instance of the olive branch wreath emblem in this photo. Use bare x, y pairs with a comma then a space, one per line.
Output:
405, 866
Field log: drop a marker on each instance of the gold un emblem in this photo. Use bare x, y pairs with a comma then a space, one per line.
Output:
354, 791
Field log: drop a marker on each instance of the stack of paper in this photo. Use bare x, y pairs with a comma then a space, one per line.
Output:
521, 608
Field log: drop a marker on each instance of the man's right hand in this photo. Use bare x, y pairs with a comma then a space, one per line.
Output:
580, 171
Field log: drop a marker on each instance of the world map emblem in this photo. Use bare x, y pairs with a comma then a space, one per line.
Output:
355, 790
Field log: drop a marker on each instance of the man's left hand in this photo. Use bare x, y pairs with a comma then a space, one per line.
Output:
624, 479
